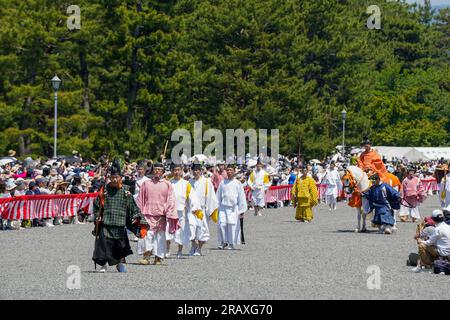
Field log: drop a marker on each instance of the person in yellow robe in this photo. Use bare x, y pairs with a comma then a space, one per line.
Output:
304, 196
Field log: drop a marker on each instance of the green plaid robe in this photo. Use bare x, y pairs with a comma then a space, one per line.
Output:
119, 205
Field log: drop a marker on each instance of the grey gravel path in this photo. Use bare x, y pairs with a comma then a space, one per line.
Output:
283, 259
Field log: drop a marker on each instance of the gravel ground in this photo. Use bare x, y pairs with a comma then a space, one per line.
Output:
283, 259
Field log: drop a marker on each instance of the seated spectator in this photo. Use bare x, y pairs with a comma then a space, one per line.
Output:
20, 187
33, 189
438, 244
425, 229
54, 175
3, 194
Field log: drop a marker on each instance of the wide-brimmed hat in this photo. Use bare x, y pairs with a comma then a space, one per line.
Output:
11, 153
19, 182
41, 180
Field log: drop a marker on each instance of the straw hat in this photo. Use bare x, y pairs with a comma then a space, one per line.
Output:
11, 153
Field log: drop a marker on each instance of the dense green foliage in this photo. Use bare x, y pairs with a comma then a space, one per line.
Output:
137, 70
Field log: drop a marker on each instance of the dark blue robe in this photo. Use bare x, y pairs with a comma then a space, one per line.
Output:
382, 198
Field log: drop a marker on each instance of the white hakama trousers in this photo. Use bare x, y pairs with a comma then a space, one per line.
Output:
153, 241
228, 227
331, 195
258, 198
199, 229
331, 199
183, 235
412, 212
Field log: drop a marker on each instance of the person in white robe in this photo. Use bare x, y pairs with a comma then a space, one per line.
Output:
185, 203
259, 183
333, 182
444, 191
140, 179
206, 196
232, 206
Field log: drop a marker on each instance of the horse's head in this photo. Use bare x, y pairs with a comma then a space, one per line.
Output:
348, 182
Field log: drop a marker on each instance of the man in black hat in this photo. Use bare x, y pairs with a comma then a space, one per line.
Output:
370, 161
186, 204
156, 200
383, 200
204, 192
232, 206
114, 209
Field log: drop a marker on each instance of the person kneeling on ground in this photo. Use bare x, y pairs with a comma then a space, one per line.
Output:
383, 199
438, 245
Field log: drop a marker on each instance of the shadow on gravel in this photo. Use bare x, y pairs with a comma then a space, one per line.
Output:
353, 231
148, 265
293, 221
217, 249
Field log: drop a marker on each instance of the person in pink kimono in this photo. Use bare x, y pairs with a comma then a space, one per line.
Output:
156, 200
412, 195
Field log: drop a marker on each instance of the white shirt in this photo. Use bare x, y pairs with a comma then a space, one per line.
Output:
205, 194
44, 190
441, 239
184, 198
231, 193
139, 182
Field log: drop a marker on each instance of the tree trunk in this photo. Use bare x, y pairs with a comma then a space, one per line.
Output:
84, 74
132, 93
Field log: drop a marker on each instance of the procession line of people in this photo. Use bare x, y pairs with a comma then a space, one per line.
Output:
164, 211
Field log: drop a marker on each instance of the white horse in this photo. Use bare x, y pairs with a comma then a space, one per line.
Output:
356, 182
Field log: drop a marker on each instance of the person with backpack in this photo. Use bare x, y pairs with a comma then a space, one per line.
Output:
438, 245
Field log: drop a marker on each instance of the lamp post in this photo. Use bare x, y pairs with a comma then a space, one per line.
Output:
56, 82
344, 115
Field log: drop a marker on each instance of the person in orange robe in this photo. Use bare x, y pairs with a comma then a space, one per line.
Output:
370, 161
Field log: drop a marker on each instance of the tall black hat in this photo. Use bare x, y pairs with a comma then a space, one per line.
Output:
115, 168
231, 165
366, 140
174, 165
158, 165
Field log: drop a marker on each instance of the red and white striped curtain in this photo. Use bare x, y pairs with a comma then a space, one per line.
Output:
429, 184
46, 206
